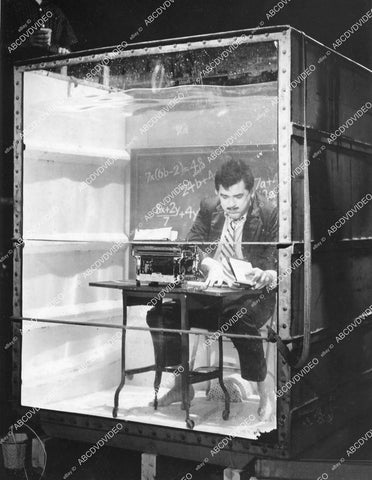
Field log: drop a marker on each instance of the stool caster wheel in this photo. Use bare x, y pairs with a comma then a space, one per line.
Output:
115, 412
190, 423
225, 415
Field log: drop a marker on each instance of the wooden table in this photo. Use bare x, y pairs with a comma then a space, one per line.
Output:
187, 296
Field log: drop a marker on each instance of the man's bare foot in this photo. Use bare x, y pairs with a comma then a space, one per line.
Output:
174, 395
265, 407
262, 407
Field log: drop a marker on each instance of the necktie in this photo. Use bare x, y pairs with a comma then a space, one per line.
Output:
228, 248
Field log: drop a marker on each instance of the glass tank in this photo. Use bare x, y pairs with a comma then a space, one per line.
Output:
121, 150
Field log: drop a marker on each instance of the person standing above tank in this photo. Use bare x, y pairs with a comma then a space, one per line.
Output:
35, 28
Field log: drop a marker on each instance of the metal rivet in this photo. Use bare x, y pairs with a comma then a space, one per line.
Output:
284, 52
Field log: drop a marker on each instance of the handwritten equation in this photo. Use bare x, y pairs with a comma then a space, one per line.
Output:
195, 184
264, 187
194, 167
175, 211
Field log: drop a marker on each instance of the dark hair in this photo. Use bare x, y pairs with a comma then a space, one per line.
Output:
231, 172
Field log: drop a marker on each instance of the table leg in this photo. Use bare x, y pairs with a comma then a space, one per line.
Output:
123, 337
226, 412
185, 361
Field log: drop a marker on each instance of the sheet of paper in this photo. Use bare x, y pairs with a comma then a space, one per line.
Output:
241, 269
165, 233
174, 235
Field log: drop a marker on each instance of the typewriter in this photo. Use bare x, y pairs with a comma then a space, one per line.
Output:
163, 263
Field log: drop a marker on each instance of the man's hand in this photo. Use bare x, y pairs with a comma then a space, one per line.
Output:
41, 38
215, 273
63, 51
261, 278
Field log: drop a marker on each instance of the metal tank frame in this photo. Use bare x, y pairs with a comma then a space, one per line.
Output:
288, 439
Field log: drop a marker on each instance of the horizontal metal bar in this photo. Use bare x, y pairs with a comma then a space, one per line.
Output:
255, 35
144, 329
321, 136
136, 242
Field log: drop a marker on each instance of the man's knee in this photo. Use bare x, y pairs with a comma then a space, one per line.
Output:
162, 316
153, 317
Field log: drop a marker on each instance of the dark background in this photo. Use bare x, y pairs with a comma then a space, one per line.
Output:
99, 23
108, 22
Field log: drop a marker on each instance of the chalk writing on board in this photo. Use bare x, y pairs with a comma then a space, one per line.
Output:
195, 166
197, 184
172, 210
160, 170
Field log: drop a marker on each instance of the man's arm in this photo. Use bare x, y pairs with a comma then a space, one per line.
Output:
68, 37
267, 277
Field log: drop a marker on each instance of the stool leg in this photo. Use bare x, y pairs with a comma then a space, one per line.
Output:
157, 382
209, 359
226, 412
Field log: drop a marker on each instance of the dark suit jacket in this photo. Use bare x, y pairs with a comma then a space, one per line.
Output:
261, 226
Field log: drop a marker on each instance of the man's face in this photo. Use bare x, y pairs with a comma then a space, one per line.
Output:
235, 200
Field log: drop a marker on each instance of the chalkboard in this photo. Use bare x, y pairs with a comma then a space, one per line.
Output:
157, 202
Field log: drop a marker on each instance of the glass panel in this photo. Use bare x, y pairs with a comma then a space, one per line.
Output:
76, 369
135, 144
